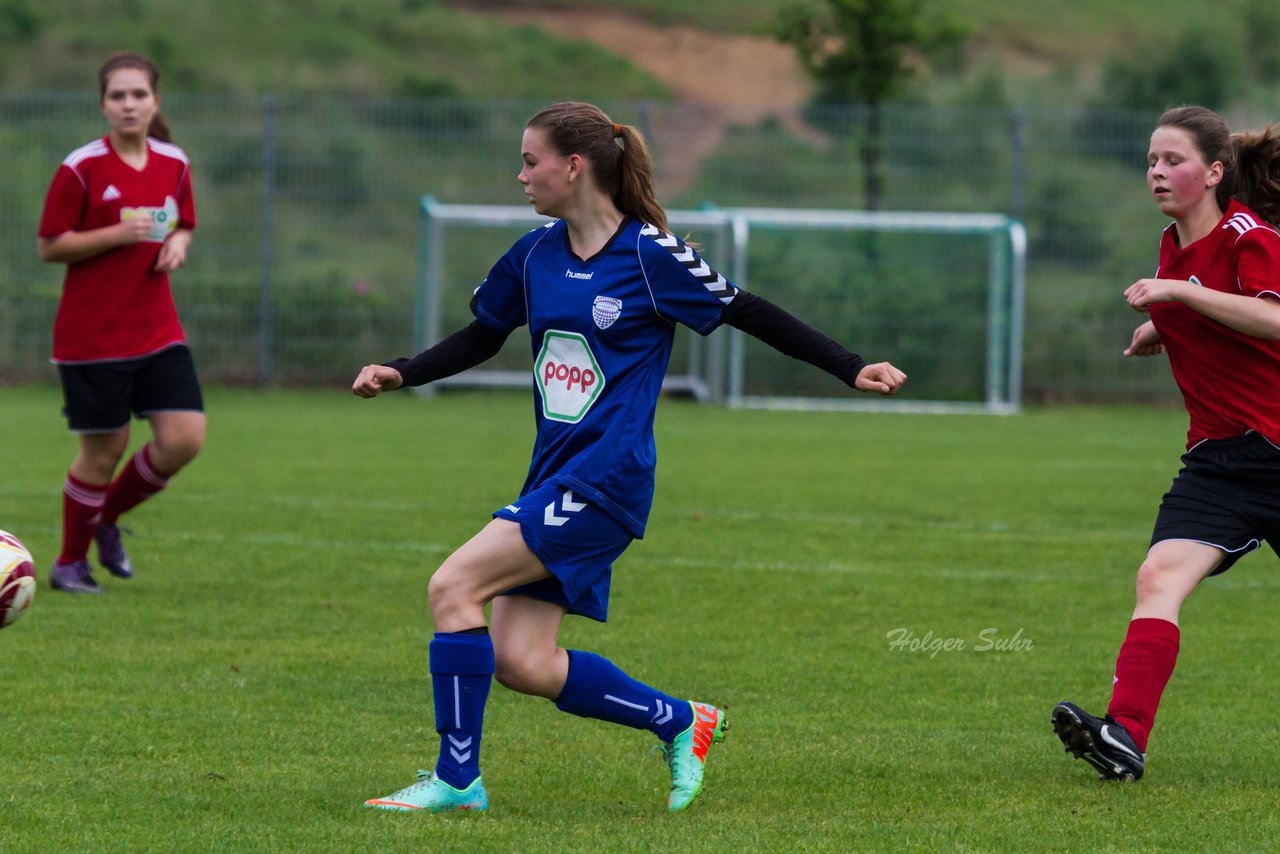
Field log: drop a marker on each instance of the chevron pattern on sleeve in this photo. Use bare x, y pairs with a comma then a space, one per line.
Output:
699, 269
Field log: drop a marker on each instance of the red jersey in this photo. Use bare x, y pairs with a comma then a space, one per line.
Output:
1230, 381
116, 305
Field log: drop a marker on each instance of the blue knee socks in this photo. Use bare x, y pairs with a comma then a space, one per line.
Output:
461, 673
596, 688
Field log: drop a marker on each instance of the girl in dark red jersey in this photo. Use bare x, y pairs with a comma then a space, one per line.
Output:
119, 214
1215, 310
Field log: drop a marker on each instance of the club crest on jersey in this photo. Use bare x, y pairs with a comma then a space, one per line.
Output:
568, 376
605, 310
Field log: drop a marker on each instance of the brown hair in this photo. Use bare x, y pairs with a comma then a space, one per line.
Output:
618, 154
158, 128
1250, 159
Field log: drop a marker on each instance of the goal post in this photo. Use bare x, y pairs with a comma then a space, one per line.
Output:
697, 367
941, 295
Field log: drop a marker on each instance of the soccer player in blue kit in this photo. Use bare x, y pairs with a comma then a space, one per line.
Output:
601, 289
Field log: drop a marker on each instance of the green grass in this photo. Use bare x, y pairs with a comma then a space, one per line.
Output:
266, 670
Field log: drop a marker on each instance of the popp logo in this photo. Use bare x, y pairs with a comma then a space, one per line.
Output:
568, 376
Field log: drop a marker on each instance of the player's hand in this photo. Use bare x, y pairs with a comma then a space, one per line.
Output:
375, 379
881, 377
1146, 341
1142, 293
173, 252
135, 229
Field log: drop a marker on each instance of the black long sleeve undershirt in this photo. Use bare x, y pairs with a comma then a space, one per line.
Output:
754, 315
466, 348
791, 336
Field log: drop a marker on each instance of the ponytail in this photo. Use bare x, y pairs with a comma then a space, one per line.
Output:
1256, 178
635, 194
618, 154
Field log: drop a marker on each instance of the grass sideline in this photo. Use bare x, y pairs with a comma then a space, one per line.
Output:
266, 670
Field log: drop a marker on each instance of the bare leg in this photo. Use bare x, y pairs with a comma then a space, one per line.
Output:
525, 634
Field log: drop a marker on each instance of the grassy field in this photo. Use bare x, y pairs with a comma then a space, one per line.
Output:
265, 672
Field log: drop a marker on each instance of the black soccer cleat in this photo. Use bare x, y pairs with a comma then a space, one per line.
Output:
1103, 743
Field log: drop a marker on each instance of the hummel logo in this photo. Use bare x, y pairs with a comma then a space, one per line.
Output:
567, 504
111, 193
458, 748
663, 714
570, 274
514, 508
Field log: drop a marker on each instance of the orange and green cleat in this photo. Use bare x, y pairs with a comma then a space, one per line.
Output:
432, 794
686, 755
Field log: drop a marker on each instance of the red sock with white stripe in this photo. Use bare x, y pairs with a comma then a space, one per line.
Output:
1143, 668
137, 481
81, 507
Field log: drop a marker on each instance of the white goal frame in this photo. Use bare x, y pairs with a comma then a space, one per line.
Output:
715, 368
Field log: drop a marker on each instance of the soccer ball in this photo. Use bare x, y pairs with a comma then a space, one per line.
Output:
17, 579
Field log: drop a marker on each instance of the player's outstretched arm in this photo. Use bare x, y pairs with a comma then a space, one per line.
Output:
787, 334
466, 348
375, 379
881, 377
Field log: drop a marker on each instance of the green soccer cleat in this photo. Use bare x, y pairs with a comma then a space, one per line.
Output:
432, 794
687, 755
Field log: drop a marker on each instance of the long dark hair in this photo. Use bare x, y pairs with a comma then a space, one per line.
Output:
158, 128
618, 154
1250, 159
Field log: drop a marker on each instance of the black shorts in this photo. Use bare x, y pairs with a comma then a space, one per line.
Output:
99, 397
1227, 495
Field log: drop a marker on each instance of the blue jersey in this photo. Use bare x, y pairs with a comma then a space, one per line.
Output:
602, 330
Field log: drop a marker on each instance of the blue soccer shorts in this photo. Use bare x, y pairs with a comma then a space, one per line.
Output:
576, 541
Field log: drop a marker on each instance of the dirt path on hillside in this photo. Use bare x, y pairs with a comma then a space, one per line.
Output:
719, 79
700, 67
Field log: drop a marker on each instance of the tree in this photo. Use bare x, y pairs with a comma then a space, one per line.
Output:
863, 53
1198, 69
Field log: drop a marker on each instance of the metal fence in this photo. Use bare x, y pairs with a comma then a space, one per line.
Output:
304, 262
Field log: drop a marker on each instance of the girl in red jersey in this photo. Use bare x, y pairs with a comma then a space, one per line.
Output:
1215, 310
119, 214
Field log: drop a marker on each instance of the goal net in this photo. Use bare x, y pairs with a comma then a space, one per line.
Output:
938, 295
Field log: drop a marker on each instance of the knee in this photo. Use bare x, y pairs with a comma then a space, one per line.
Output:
98, 462
441, 589
103, 460
174, 452
1153, 579
452, 598
524, 671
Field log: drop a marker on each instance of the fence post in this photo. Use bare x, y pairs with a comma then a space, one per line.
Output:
1018, 178
266, 317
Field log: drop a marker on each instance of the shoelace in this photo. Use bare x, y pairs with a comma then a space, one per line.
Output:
668, 752
424, 779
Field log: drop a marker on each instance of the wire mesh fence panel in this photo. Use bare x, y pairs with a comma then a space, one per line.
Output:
304, 262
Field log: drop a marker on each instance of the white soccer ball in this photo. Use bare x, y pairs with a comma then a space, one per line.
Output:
17, 579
